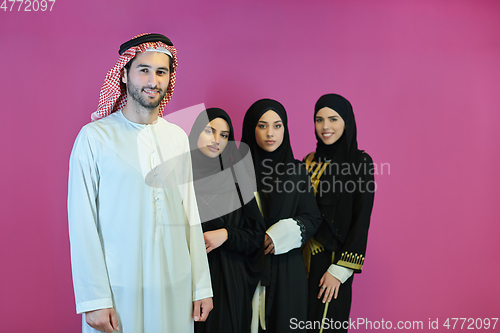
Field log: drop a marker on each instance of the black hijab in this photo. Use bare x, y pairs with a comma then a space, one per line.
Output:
346, 148
215, 175
262, 159
204, 166
337, 205
276, 203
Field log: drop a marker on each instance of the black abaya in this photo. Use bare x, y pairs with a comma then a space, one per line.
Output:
345, 208
285, 193
235, 266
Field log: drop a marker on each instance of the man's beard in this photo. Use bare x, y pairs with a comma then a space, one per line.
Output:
135, 93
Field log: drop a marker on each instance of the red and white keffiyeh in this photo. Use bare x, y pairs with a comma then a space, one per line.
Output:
113, 96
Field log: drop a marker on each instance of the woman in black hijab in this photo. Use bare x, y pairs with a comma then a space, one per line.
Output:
287, 203
344, 185
232, 225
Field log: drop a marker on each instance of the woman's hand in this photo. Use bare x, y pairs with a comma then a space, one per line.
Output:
268, 245
330, 286
214, 238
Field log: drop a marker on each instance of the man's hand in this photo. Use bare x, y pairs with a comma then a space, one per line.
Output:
202, 308
330, 286
214, 239
103, 320
268, 245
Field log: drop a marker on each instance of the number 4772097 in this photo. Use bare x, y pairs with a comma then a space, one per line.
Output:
472, 323
29, 5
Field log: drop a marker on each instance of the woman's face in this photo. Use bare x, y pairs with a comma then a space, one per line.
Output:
213, 140
329, 125
269, 131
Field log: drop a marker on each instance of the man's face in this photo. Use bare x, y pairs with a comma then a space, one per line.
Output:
148, 78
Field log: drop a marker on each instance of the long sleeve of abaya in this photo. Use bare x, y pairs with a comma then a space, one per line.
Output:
249, 236
352, 253
308, 215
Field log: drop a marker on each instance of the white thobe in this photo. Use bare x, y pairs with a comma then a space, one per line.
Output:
135, 247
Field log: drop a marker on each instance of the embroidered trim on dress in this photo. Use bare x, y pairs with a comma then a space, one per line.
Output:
302, 232
351, 260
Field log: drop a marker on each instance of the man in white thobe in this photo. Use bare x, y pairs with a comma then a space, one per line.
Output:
137, 251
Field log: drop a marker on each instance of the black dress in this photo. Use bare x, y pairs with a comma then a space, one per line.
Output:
235, 266
343, 177
284, 193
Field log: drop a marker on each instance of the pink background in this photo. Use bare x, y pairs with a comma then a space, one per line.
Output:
424, 80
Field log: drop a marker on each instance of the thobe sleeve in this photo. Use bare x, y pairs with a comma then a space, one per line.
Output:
249, 237
352, 253
90, 277
200, 274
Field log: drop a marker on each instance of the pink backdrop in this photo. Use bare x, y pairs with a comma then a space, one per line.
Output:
424, 80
